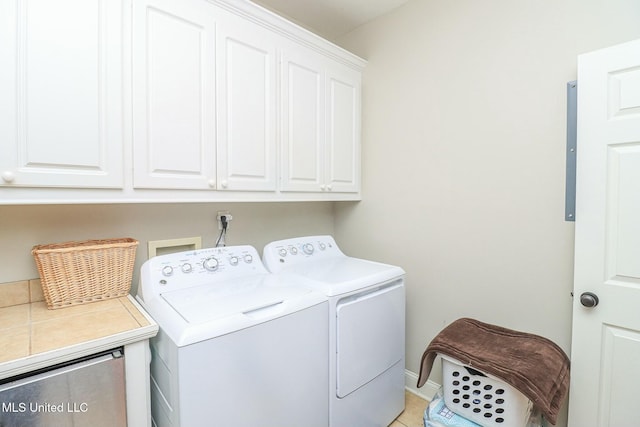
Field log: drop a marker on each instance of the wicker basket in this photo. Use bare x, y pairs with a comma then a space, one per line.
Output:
75, 273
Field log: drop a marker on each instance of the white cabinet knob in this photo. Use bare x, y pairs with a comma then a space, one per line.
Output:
8, 176
224, 183
322, 187
329, 187
212, 183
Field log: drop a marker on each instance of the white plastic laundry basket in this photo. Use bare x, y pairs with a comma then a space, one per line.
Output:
482, 398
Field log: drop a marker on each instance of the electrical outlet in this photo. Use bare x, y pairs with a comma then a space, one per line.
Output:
227, 215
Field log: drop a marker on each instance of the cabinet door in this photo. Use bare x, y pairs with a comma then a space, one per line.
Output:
321, 124
174, 94
342, 168
61, 80
303, 121
246, 105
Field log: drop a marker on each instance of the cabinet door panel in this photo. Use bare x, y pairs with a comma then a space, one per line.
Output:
174, 117
343, 133
246, 107
62, 86
303, 123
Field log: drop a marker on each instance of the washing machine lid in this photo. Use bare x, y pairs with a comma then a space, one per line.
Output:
342, 274
200, 313
204, 312
216, 301
199, 295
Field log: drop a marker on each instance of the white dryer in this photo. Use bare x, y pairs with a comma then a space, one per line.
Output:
235, 347
366, 326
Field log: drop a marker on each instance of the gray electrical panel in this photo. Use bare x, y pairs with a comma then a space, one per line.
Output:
572, 146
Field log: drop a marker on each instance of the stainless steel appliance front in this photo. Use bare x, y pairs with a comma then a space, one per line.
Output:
85, 392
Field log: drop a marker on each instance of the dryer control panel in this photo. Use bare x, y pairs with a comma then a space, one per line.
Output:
182, 270
286, 253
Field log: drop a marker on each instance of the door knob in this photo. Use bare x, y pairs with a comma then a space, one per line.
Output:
589, 299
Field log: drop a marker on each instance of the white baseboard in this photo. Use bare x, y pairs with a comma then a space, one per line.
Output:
427, 391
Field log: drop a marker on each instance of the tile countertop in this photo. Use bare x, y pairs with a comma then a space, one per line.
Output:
34, 337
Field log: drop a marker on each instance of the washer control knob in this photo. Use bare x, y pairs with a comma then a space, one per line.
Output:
282, 252
234, 260
322, 246
186, 268
248, 258
293, 250
308, 248
210, 264
167, 270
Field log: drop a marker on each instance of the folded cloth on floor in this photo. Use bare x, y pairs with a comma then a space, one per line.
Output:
534, 365
438, 415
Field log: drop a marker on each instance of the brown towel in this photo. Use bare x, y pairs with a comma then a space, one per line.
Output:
534, 365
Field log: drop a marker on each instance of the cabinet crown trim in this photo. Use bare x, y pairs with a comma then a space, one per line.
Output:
274, 22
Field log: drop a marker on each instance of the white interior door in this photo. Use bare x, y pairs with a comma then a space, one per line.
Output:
605, 377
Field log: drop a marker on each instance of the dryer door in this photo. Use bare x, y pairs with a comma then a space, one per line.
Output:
370, 335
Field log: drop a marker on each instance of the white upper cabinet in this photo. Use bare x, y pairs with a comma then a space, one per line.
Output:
173, 95
342, 166
303, 121
61, 80
112, 101
246, 105
321, 124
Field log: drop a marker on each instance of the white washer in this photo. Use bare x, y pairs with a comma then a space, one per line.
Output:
235, 347
366, 326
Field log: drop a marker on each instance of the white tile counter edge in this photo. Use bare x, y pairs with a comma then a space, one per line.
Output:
87, 348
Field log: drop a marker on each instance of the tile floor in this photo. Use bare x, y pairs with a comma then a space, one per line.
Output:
413, 412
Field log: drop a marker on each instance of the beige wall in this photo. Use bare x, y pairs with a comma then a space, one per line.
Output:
463, 167
463, 145
22, 227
